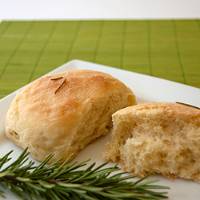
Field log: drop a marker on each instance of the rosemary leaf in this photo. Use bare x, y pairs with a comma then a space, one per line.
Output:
71, 181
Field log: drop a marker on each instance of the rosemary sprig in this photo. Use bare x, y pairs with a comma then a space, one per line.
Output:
73, 181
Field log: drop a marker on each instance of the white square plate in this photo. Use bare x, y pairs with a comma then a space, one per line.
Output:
146, 88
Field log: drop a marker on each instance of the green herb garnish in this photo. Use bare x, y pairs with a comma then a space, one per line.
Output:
73, 181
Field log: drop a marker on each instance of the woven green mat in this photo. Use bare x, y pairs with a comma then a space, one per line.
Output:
164, 48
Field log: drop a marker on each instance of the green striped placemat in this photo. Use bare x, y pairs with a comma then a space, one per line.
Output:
168, 49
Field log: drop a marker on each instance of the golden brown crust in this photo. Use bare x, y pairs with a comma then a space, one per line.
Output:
172, 110
49, 113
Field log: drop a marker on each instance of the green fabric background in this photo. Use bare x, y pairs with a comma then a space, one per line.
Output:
168, 49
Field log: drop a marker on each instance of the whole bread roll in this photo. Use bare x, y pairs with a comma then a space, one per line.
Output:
157, 138
63, 113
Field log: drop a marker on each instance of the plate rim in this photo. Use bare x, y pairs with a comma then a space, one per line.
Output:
77, 61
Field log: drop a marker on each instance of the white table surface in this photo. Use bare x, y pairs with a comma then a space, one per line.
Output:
98, 9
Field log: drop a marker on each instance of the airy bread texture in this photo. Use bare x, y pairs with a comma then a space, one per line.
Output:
157, 138
63, 113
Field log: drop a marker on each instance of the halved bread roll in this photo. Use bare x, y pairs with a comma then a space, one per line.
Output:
157, 138
63, 113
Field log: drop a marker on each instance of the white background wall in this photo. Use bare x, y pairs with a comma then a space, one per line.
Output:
65, 9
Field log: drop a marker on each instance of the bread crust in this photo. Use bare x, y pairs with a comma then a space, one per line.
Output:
57, 114
157, 138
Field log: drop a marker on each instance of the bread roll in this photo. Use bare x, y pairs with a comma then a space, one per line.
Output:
63, 113
157, 138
